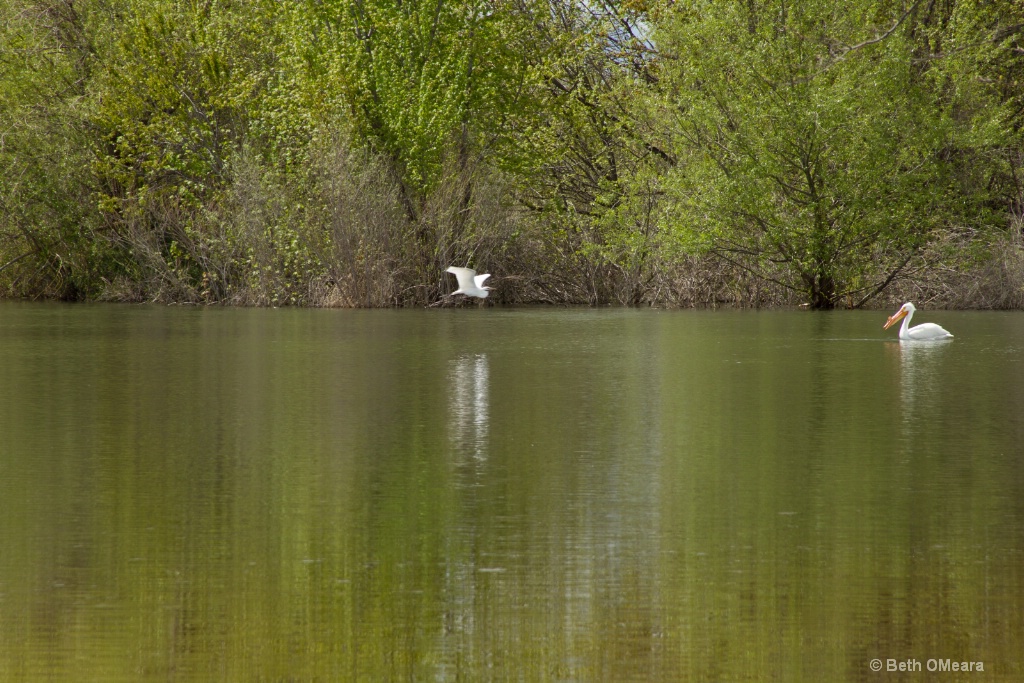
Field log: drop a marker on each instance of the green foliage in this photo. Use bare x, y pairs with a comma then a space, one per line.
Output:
186, 93
592, 160
347, 151
174, 97
819, 150
421, 80
49, 244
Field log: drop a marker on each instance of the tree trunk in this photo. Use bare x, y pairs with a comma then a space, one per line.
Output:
823, 292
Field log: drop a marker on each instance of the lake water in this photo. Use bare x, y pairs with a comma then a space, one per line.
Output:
507, 494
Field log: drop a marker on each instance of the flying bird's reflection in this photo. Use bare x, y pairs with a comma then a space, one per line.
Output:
469, 404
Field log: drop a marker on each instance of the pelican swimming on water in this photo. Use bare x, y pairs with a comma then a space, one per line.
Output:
470, 283
922, 332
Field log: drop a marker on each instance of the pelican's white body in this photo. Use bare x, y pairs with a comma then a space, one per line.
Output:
922, 332
470, 283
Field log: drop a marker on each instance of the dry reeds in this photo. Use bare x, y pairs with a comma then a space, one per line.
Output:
965, 270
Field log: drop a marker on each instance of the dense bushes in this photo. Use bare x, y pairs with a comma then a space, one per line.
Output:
339, 153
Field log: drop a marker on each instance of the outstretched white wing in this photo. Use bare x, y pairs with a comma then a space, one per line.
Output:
479, 280
464, 276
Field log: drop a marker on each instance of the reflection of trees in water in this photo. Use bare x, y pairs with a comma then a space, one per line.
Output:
469, 412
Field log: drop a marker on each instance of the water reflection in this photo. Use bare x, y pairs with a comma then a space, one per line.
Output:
468, 422
469, 405
920, 373
639, 496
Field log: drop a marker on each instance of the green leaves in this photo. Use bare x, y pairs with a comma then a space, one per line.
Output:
817, 145
816, 142
421, 80
174, 97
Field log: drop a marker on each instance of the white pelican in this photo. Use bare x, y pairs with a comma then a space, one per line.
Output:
922, 332
470, 283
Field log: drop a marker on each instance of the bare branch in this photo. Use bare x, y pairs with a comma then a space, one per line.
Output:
15, 260
877, 39
885, 283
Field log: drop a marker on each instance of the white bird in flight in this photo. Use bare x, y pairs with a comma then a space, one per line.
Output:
470, 283
922, 332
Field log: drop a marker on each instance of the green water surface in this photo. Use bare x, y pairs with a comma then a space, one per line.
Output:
497, 494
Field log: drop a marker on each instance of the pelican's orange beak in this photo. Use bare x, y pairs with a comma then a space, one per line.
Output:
894, 318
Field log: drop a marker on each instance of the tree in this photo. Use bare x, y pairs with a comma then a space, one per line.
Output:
816, 144
50, 239
422, 81
595, 157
